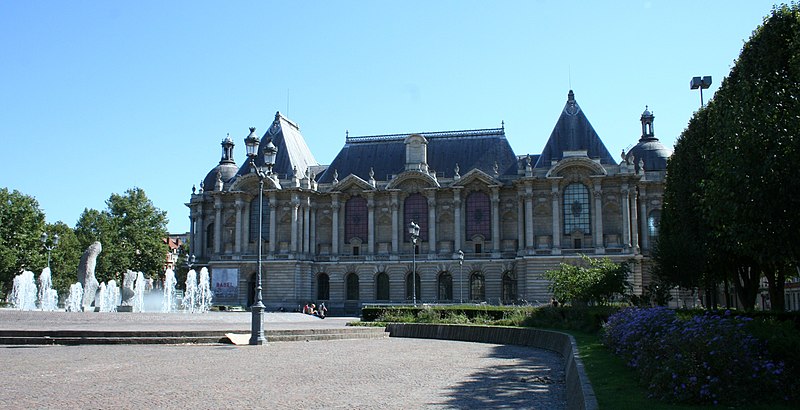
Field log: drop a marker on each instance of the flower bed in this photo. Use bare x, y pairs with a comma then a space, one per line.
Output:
711, 358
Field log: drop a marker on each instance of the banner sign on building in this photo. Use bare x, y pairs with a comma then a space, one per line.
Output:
225, 283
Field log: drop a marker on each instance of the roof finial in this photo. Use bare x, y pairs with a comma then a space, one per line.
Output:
503, 125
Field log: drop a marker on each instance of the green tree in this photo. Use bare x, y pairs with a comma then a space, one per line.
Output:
64, 257
753, 193
21, 226
593, 280
131, 231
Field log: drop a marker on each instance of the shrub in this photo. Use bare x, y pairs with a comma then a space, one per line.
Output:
711, 358
593, 281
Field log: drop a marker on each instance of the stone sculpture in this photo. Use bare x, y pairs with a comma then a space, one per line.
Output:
127, 290
86, 274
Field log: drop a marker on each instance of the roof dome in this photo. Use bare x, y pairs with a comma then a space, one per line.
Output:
652, 153
226, 172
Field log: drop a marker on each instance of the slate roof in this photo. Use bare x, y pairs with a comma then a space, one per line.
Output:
292, 149
386, 154
573, 132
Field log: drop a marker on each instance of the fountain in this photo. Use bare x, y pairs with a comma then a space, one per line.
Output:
48, 297
168, 303
138, 293
190, 295
204, 294
23, 294
74, 302
111, 300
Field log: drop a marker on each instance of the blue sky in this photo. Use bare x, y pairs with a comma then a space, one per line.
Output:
97, 97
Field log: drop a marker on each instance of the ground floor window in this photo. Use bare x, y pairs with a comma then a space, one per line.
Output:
351, 288
382, 286
477, 287
323, 287
445, 286
509, 287
410, 289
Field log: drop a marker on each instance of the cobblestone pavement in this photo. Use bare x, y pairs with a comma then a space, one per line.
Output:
338, 374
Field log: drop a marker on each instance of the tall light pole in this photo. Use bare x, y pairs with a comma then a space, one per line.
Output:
49, 247
252, 142
702, 83
413, 230
460, 276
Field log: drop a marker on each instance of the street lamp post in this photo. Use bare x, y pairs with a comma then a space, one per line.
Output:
702, 83
252, 143
413, 230
49, 247
460, 276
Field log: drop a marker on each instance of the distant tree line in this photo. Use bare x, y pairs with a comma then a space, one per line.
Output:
131, 230
732, 198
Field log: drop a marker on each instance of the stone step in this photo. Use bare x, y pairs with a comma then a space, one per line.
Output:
78, 337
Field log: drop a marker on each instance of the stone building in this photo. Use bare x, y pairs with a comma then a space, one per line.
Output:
338, 233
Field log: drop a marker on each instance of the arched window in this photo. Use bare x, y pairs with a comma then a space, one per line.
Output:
576, 209
477, 288
323, 287
445, 286
210, 236
509, 287
653, 223
410, 289
478, 215
254, 204
382, 286
355, 219
415, 208
351, 288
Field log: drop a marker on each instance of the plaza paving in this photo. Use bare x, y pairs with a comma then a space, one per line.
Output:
348, 374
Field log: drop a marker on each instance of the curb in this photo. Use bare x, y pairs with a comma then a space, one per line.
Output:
580, 394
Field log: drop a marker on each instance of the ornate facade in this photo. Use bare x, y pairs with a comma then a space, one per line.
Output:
338, 233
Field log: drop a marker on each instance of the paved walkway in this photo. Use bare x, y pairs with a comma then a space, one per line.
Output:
347, 374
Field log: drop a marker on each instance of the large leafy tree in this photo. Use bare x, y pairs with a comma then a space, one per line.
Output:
21, 226
131, 231
753, 194
732, 193
64, 256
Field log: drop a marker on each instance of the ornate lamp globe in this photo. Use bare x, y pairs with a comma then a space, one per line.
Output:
251, 142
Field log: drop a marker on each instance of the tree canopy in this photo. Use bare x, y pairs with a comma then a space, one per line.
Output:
732, 194
131, 231
21, 226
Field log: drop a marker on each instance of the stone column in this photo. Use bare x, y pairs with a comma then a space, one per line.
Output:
495, 219
246, 228
306, 225
395, 224
626, 217
200, 231
192, 230
218, 224
457, 220
238, 238
530, 241
432, 221
335, 206
273, 226
520, 221
598, 218
370, 224
634, 221
295, 204
643, 218
313, 223
554, 200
